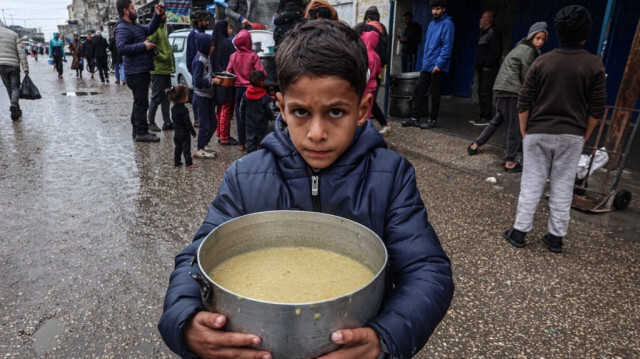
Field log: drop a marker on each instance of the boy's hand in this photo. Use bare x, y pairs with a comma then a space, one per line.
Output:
204, 337
357, 343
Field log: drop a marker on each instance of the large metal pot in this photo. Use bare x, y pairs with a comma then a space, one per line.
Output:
401, 93
269, 63
293, 331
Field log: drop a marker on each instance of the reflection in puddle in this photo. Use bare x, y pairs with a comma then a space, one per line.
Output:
46, 337
79, 93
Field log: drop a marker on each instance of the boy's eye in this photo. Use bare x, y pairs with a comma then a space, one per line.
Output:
336, 113
300, 112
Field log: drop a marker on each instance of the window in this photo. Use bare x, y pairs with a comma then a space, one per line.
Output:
178, 44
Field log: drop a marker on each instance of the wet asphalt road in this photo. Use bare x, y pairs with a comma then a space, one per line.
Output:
91, 222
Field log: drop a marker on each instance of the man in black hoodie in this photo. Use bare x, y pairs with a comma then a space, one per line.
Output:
99, 49
487, 66
87, 49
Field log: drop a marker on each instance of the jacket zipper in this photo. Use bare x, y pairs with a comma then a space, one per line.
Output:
315, 188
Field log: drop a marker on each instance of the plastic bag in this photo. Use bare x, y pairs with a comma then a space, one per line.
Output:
599, 161
28, 90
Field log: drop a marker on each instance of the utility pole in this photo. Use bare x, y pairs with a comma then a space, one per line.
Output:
4, 19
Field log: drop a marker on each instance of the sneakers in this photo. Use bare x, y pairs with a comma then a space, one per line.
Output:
428, 125
203, 154
209, 149
412, 122
554, 244
515, 237
147, 138
154, 128
167, 127
472, 151
480, 121
385, 130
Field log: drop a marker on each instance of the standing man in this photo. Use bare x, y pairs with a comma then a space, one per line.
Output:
410, 40
238, 11
161, 78
56, 51
200, 23
487, 66
136, 50
11, 57
100, 47
436, 60
116, 58
88, 54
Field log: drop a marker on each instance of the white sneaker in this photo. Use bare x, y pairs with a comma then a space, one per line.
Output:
385, 130
204, 154
209, 149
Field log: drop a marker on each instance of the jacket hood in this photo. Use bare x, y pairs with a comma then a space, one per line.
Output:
280, 144
203, 43
370, 39
255, 93
54, 34
242, 41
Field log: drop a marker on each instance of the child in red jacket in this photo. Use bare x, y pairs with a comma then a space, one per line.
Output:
242, 62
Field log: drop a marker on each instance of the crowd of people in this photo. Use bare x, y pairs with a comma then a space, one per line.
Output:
323, 141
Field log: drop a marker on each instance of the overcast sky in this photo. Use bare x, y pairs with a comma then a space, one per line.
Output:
43, 14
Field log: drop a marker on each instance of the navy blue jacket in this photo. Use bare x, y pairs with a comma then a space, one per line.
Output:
130, 43
368, 184
191, 47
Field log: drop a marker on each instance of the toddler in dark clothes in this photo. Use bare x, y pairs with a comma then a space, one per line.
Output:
182, 126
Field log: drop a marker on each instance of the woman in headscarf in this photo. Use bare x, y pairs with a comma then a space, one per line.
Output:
225, 96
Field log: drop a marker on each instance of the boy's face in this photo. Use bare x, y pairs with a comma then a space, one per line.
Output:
322, 114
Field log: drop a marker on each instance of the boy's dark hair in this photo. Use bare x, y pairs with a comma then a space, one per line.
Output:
256, 77
176, 93
322, 48
323, 13
122, 5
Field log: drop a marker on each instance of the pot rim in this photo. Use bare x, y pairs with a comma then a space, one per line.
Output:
341, 297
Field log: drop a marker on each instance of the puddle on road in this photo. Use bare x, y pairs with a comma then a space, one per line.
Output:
46, 337
79, 93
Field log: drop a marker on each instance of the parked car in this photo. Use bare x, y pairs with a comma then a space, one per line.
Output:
178, 42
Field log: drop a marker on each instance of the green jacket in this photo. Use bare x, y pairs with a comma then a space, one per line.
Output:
514, 67
164, 62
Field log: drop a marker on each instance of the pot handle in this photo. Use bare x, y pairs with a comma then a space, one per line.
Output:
206, 291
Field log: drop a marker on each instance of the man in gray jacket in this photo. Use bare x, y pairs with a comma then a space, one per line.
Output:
238, 13
11, 57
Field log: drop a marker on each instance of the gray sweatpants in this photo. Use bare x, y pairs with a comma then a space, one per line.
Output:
554, 157
11, 79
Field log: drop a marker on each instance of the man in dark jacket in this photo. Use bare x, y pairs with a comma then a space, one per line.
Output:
116, 59
99, 49
87, 52
199, 23
487, 66
132, 44
410, 40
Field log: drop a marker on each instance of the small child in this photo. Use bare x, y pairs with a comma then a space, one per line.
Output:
559, 105
203, 95
182, 126
255, 111
323, 140
242, 62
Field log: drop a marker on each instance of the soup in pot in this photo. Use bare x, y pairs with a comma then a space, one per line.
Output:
291, 274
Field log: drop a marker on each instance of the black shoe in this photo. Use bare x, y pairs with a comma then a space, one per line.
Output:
154, 128
428, 125
554, 244
147, 138
230, 142
515, 169
515, 237
471, 151
15, 114
412, 122
178, 164
480, 121
167, 127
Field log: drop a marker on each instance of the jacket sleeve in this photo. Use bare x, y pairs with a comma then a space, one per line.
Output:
50, 48
448, 33
22, 56
199, 80
124, 45
153, 25
182, 300
419, 270
230, 64
528, 90
187, 120
597, 95
257, 65
232, 9
528, 56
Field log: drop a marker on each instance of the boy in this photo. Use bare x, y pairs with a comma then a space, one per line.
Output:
255, 110
323, 137
559, 105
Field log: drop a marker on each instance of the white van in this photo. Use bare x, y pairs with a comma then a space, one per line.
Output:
178, 42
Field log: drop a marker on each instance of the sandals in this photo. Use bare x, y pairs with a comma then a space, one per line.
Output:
471, 151
515, 169
230, 142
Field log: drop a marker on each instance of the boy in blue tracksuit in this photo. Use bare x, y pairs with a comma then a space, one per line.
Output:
324, 156
436, 61
203, 95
